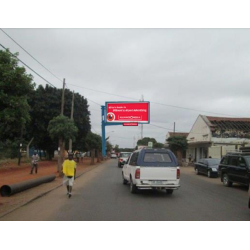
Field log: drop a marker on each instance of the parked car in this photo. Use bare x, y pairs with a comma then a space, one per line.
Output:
207, 166
235, 167
152, 169
113, 156
123, 157
249, 198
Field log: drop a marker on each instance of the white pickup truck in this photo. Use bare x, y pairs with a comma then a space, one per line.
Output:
152, 169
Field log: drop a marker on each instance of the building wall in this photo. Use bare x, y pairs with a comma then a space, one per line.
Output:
200, 131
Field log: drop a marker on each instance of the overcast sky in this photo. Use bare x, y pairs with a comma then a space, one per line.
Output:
181, 72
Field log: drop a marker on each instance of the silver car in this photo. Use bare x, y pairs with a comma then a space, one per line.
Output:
123, 158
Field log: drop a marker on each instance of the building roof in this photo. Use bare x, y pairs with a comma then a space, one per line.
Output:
178, 134
227, 123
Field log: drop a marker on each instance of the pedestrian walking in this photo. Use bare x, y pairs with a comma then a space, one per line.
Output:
35, 159
69, 170
77, 156
190, 157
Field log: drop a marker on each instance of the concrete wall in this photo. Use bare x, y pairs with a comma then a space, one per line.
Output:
199, 132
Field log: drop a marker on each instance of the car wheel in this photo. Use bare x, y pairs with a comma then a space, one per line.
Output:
133, 188
197, 171
226, 181
125, 182
169, 191
209, 174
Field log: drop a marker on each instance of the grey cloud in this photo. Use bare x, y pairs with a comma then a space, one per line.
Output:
202, 69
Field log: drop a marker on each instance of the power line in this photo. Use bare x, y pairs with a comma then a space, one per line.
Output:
94, 102
30, 54
163, 104
27, 66
160, 126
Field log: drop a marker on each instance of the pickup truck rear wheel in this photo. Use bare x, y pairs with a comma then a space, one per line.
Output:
169, 191
226, 181
133, 188
125, 182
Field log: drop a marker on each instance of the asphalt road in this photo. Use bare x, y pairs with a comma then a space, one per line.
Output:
99, 195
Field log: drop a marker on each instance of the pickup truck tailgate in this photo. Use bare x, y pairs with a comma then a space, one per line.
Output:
158, 173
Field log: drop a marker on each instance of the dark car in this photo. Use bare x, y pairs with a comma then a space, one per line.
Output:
207, 166
235, 167
249, 198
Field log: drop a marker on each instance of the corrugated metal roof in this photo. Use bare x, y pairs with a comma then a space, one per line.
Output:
227, 123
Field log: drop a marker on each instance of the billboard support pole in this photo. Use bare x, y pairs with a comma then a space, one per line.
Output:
103, 133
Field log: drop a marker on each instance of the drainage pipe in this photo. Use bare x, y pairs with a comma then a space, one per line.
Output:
8, 190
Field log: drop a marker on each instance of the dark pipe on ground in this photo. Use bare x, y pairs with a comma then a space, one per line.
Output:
8, 190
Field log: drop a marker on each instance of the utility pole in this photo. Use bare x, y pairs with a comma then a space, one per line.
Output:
71, 118
174, 128
61, 143
62, 103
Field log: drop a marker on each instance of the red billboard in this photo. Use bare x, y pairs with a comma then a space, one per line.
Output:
121, 112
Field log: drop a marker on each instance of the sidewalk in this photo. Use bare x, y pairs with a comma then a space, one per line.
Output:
12, 173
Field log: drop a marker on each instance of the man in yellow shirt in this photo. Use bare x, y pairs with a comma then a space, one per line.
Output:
69, 167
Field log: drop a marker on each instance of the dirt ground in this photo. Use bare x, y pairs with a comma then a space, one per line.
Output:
11, 173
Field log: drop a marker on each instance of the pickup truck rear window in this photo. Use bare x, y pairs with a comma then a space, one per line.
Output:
157, 157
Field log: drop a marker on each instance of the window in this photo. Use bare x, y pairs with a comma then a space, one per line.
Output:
201, 161
125, 154
233, 160
212, 162
157, 157
133, 159
242, 162
224, 160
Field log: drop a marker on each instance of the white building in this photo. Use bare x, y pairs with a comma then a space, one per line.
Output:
215, 136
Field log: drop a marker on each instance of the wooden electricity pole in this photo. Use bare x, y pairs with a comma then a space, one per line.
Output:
61, 143
63, 91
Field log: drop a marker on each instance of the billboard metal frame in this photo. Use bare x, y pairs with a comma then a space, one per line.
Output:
105, 123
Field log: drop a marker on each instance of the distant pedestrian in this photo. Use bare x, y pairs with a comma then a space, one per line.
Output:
77, 156
190, 157
69, 170
35, 159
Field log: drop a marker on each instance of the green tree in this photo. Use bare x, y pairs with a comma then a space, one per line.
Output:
62, 128
177, 143
15, 85
116, 148
109, 146
145, 141
158, 145
45, 104
93, 142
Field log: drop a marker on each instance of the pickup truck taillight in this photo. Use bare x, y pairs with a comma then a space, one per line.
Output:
137, 173
178, 173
